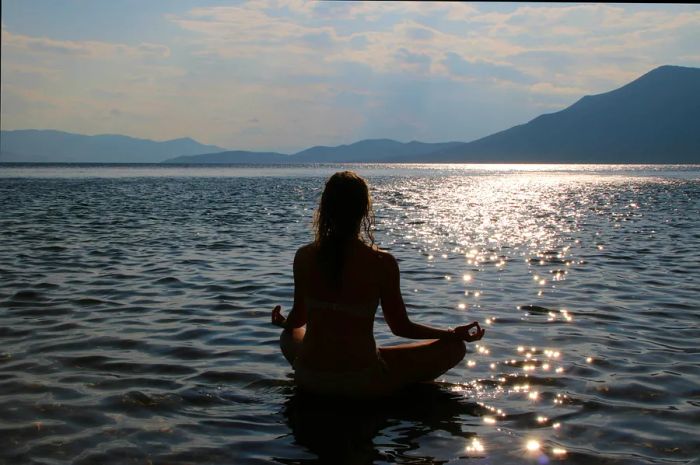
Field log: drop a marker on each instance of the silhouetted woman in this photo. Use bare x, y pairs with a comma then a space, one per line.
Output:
339, 280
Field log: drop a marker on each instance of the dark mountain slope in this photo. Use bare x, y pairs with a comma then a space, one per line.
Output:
654, 119
369, 150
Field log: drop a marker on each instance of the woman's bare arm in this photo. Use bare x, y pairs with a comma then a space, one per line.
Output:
297, 316
396, 316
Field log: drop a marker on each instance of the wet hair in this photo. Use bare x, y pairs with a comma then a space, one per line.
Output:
344, 214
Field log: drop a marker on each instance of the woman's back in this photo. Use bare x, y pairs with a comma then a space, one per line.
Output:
340, 318
339, 280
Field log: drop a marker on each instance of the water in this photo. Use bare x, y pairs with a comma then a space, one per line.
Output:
135, 307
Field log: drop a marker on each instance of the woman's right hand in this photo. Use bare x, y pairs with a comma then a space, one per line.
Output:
466, 332
277, 318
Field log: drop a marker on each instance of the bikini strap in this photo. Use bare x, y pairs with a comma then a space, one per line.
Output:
367, 309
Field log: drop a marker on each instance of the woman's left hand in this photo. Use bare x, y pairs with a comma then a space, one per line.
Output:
466, 334
277, 318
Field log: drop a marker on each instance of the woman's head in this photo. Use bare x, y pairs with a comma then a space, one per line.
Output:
345, 211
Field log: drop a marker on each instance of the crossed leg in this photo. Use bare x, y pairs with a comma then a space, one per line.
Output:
407, 363
422, 361
290, 342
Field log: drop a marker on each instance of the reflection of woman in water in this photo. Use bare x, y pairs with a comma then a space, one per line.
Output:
339, 280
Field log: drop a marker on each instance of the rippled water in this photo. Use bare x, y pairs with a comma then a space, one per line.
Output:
135, 315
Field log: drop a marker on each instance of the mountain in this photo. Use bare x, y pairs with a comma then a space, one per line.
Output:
370, 151
231, 157
33, 145
364, 151
653, 119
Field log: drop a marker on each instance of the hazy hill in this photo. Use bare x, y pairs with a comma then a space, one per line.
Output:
232, 156
369, 150
654, 119
33, 145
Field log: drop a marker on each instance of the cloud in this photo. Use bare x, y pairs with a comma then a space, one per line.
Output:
358, 42
414, 61
107, 94
320, 40
419, 33
156, 50
80, 49
236, 32
480, 69
557, 60
27, 75
552, 89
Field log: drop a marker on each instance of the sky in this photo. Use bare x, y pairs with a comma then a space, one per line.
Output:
287, 75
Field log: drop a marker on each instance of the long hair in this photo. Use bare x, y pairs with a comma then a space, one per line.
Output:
344, 213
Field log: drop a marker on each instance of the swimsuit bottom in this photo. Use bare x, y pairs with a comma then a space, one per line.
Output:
371, 380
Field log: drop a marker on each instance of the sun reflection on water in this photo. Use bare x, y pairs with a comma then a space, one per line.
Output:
532, 445
475, 446
521, 227
516, 376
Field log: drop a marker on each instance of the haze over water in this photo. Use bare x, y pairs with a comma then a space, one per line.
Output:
135, 303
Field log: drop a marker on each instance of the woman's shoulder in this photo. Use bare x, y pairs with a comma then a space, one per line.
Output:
381, 256
306, 250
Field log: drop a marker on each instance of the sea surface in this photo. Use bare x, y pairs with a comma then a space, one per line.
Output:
135, 305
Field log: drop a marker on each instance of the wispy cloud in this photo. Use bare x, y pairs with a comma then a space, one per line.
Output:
85, 49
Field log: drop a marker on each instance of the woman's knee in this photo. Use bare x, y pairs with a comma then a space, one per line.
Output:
290, 341
456, 349
293, 336
449, 354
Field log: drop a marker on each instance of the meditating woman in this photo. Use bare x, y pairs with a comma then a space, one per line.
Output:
339, 280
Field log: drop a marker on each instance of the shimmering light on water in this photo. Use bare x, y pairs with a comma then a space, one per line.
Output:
475, 446
532, 445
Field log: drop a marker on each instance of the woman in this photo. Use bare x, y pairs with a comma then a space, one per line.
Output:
339, 280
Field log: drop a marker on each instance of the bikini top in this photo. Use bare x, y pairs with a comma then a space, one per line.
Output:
365, 309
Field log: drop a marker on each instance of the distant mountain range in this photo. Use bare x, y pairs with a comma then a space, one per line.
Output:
33, 145
364, 151
653, 119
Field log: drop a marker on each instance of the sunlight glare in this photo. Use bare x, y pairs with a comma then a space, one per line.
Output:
532, 445
475, 446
